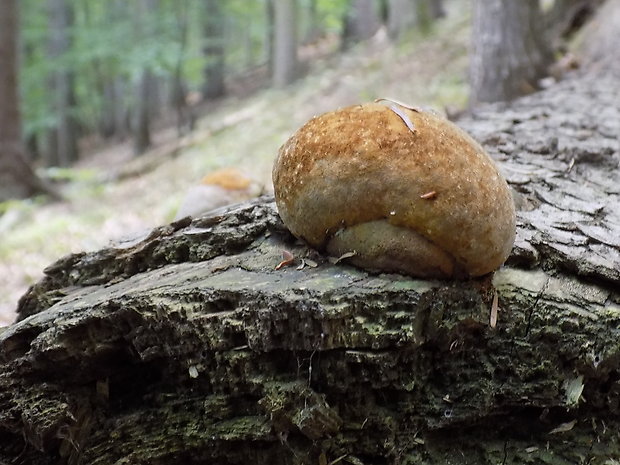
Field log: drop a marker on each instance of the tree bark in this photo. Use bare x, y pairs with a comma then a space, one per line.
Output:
285, 42
186, 345
214, 50
509, 50
17, 179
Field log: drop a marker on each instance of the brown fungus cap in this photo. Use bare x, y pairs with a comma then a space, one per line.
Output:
407, 190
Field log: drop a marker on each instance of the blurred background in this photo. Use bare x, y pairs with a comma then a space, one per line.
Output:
119, 116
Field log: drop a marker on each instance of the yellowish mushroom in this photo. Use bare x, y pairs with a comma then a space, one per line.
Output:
405, 189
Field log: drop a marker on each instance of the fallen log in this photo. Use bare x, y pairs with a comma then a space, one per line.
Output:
189, 346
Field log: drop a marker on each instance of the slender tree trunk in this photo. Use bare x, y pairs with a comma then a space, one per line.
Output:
509, 51
214, 50
121, 112
143, 94
141, 121
285, 42
107, 123
437, 9
315, 27
400, 16
425, 14
185, 117
62, 149
113, 120
361, 21
17, 178
270, 34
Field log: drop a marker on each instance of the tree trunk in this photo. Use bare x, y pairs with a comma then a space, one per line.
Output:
270, 34
187, 346
285, 42
437, 9
567, 16
315, 28
509, 51
110, 123
114, 88
400, 17
141, 121
142, 112
214, 50
403, 14
62, 147
361, 22
17, 179
185, 117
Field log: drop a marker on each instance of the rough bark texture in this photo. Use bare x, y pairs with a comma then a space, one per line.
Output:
510, 52
187, 346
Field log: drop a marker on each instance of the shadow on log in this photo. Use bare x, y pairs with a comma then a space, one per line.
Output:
187, 346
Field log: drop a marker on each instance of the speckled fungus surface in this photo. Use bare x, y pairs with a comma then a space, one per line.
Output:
406, 190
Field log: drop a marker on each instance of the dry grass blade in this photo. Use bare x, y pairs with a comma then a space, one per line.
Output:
494, 309
564, 427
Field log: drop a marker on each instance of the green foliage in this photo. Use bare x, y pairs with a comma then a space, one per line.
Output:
113, 42
331, 12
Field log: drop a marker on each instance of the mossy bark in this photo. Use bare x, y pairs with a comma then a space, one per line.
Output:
188, 346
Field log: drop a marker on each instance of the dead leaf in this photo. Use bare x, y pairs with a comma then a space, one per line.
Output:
494, 309
353, 460
287, 259
311, 263
334, 260
564, 427
404, 117
302, 264
335, 461
573, 388
397, 102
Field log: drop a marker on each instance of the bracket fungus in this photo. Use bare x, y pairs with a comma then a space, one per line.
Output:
427, 202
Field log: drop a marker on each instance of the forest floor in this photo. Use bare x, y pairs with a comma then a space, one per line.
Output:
104, 203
